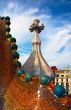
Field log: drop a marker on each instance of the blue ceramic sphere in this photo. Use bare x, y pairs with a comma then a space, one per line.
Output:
59, 90
44, 79
20, 71
28, 77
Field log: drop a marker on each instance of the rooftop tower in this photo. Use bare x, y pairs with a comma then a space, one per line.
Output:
36, 64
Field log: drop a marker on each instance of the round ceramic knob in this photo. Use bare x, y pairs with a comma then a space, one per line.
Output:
7, 18
28, 77
8, 29
44, 79
59, 90
17, 64
20, 71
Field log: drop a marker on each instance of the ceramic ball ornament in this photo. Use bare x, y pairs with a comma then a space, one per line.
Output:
59, 90
20, 71
28, 77
44, 79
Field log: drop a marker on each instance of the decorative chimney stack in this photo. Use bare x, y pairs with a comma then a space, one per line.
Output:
36, 65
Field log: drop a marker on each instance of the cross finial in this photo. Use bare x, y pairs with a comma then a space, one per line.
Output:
36, 26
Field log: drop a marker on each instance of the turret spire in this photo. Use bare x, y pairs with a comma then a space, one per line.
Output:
36, 64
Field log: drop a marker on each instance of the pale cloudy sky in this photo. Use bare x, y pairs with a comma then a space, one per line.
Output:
55, 38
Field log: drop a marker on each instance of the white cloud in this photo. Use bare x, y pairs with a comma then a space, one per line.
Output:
31, 11
55, 43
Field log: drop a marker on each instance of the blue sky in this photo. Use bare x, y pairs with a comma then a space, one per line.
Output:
55, 38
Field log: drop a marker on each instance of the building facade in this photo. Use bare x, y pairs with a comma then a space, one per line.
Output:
63, 77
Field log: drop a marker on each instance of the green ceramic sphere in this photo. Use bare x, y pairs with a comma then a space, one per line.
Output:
28, 77
8, 29
13, 39
7, 18
17, 64
9, 36
20, 71
14, 46
15, 55
44, 79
